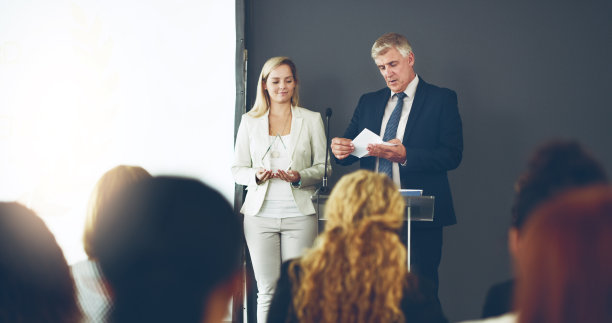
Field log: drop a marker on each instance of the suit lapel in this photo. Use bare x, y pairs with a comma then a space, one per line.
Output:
417, 107
380, 104
296, 128
374, 121
262, 136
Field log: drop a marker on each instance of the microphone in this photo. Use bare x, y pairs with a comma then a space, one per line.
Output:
324, 189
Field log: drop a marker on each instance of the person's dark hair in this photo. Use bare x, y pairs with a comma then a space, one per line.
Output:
109, 184
35, 281
566, 264
554, 167
164, 244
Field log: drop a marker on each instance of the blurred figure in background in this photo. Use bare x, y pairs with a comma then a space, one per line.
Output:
92, 293
35, 281
170, 250
566, 265
357, 271
554, 167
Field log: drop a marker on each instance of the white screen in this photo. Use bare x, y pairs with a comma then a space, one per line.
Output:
86, 85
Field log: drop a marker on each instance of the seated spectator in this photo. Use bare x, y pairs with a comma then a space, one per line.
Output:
554, 167
91, 288
357, 271
566, 264
169, 249
35, 282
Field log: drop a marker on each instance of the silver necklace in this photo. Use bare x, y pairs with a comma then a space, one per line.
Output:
285, 124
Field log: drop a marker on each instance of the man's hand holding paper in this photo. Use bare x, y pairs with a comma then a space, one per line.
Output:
392, 150
361, 142
366, 144
342, 147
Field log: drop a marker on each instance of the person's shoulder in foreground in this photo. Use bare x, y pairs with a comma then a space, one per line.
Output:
506, 318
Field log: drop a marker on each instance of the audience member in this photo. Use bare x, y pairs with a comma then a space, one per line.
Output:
357, 271
566, 265
554, 167
35, 282
169, 249
565, 262
91, 287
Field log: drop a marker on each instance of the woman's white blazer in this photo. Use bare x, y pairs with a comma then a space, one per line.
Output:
306, 148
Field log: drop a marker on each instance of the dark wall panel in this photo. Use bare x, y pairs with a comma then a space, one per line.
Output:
524, 72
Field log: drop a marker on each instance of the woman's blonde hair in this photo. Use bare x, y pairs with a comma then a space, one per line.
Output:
357, 270
262, 100
107, 186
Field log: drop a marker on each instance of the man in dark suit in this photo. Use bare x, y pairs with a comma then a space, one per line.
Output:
422, 123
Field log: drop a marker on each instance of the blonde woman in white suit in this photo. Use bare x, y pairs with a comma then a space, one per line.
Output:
280, 157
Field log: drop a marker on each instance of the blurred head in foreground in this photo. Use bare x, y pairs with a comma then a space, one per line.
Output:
566, 264
169, 248
113, 181
554, 167
359, 259
35, 281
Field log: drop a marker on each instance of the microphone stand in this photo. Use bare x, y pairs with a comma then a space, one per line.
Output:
324, 188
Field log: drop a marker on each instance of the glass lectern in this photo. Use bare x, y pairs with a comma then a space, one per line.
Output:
418, 209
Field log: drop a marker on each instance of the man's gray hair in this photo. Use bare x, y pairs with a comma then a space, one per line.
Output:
390, 40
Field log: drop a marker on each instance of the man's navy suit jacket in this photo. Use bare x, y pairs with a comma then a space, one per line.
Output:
433, 139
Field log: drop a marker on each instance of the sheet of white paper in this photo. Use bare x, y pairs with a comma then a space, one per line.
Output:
362, 141
365, 138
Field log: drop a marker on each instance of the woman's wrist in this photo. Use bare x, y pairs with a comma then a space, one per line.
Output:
297, 184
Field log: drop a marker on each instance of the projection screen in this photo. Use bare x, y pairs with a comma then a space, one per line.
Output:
86, 85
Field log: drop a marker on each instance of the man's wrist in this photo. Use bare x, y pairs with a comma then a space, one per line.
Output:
405, 163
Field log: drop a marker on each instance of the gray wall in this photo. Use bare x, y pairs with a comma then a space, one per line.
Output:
524, 72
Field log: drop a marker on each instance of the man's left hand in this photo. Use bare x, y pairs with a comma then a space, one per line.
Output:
396, 153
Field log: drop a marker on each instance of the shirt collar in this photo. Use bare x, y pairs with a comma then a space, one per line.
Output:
411, 88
